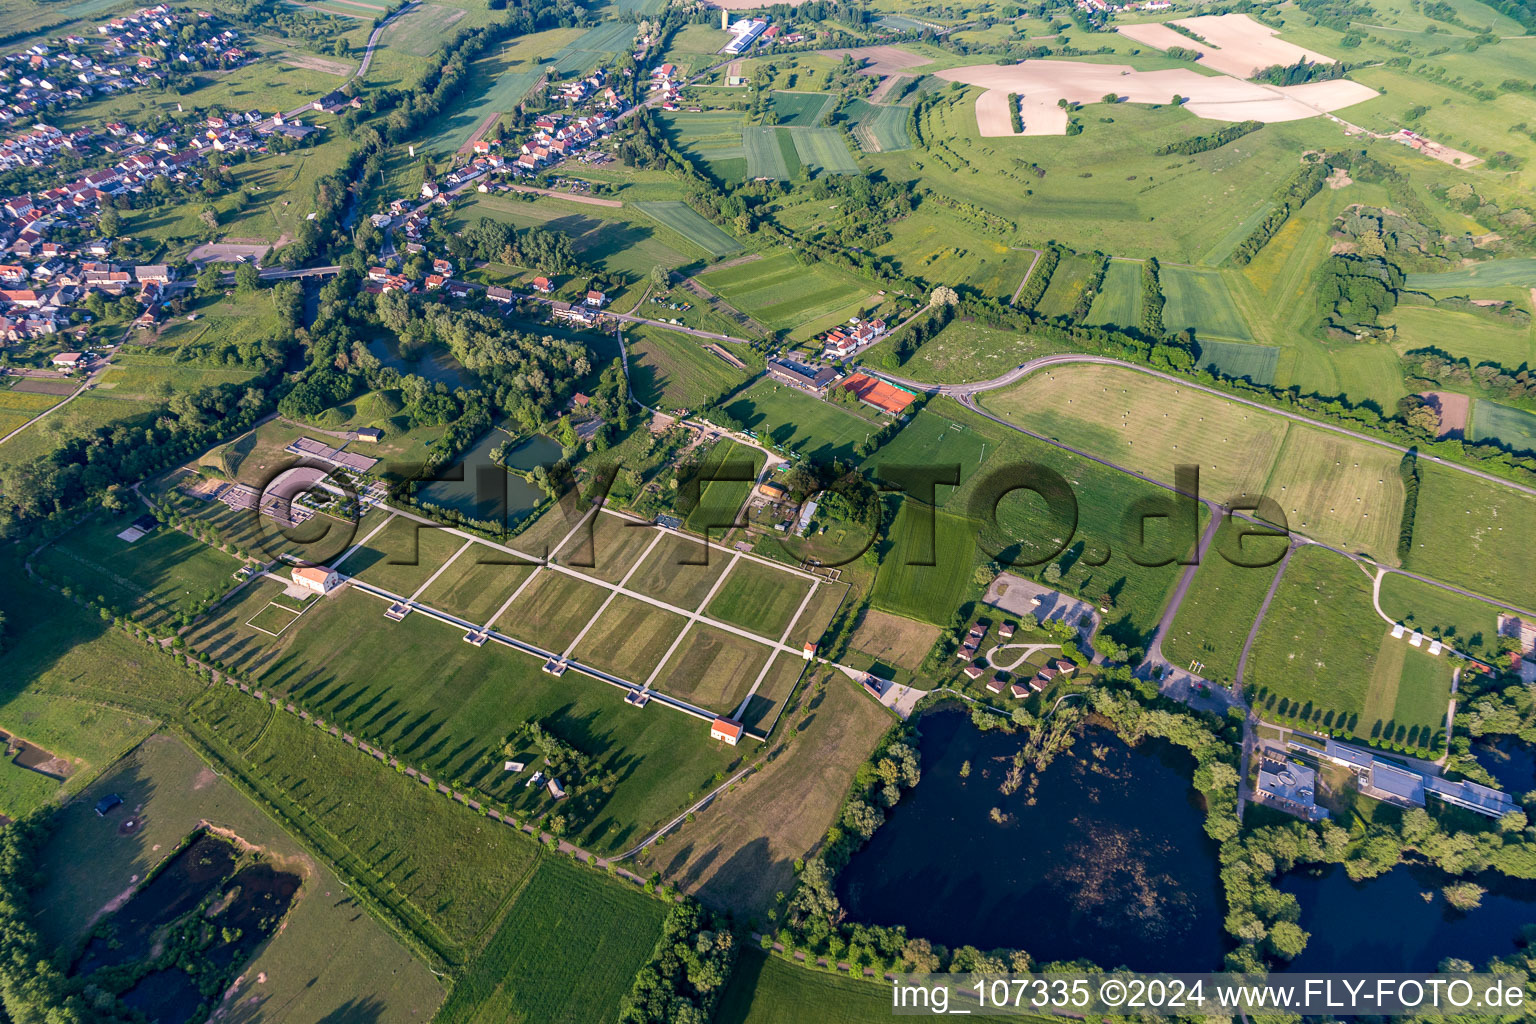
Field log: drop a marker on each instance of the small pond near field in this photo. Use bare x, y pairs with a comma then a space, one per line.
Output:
434, 362
1111, 861
1387, 923
485, 485
1510, 761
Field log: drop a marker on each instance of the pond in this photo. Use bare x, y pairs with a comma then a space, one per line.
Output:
434, 363
1110, 861
485, 485
1510, 761
1387, 924
181, 885
165, 997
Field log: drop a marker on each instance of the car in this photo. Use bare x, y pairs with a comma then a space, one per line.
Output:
106, 804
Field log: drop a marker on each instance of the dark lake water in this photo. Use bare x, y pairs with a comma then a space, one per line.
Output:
165, 997
1110, 863
1386, 924
1510, 761
478, 495
434, 363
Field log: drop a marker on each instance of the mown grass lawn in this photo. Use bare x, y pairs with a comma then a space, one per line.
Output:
795, 421
759, 598
926, 562
1217, 613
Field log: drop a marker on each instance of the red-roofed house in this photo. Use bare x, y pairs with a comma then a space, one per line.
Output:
727, 730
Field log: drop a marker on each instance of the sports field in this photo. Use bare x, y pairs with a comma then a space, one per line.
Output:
1198, 300
1244, 362
781, 292
823, 150
933, 438
1218, 612
1323, 657
689, 223
668, 370
1513, 428
1119, 299
797, 422
1329, 486
880, 128
926, 560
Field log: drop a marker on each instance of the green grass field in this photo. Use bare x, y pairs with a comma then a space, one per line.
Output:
1517, 270
713, 668
781, 292
759, 598
1464, 335
1329, 486
934, 438
689, 223
1067, 284
1476, 534
1218, 612
1198, 300
668, 370
794, 421
1513, 428
718, 501
1245, 362
630, 638
610, 239
447, 707
1458, 620
679, 571
770, 152
926, 560
800, 108
823, 150
1119, 299
155, 578
1324, 658
566, 953
329, 951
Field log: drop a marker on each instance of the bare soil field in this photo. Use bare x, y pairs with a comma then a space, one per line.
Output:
891, 638
1453, 410
887, 86
228, 252
40, 386
1235, 43
1041, 83
880, 60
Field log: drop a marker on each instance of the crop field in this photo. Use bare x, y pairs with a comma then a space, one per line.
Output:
1516, 270
1443, 614
792, 420
1245, 362
1464, 335
668, 370
1476, 534
880, 128
1322, 480
1323, 657
155, 578
801, 108
594, 45
713, 668
770, 152
329, 947
420, 32
689, 223
1513, 428
925, 564
713, 138
17, 407
447, 707
998, 273
741, 849
759, 598
1218, 612
566, 953
1119, 299
1067, 283
824, 150
780, 292
1198, 300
